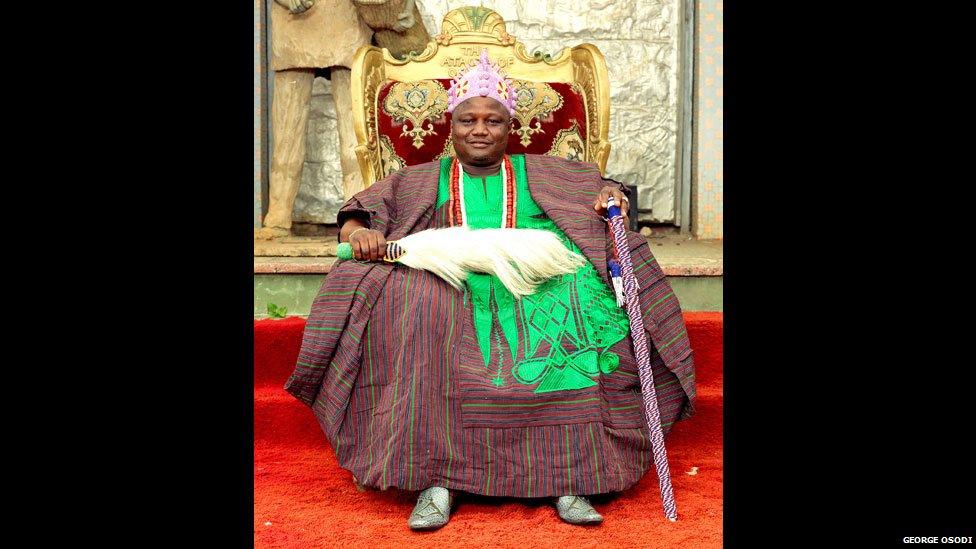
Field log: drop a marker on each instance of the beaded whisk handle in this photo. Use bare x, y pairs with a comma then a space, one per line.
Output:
393, 251
643, 359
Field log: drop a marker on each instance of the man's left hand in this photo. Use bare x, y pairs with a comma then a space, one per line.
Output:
618, 196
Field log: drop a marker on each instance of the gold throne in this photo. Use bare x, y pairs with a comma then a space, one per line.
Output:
400, 106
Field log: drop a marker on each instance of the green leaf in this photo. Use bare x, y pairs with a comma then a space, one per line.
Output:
275, 311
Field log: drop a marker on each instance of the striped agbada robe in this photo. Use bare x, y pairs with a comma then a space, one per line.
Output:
391, 367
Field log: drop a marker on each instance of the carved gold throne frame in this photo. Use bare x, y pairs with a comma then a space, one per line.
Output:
464, 33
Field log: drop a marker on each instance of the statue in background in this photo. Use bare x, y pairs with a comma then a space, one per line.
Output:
394, 24
315, 34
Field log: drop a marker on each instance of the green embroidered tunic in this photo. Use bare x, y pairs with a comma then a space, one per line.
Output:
576, 315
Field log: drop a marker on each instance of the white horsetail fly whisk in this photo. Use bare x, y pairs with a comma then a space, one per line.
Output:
522, 259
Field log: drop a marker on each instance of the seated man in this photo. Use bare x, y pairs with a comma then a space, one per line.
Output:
420, 386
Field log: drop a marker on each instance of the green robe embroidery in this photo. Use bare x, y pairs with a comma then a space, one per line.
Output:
576, 314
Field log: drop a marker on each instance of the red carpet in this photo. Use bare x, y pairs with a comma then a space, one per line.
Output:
303, 499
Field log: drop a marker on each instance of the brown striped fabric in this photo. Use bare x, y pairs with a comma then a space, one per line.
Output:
390, 364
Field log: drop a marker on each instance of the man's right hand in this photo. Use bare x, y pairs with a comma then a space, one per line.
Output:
368, 245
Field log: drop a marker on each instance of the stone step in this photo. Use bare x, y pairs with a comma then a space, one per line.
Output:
289, 272
677, 255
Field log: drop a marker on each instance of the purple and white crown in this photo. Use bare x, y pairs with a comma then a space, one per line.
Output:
483, 79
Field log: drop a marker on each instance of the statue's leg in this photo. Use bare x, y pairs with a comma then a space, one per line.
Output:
352, 178
289, 114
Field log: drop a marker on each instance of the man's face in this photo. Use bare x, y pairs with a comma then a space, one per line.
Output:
479, 127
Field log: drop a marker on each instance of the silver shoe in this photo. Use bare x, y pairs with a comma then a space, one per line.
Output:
577, 510
433, 509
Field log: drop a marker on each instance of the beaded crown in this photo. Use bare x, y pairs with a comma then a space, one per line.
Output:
483, 79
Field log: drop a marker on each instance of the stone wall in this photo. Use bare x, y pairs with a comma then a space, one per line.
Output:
707, 173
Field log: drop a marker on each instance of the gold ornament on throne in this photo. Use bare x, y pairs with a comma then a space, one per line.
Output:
533, 100
416, 99
569, 144
448, 149
417, 103
390, 159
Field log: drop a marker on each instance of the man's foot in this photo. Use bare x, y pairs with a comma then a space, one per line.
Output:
433, 509
577, 510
